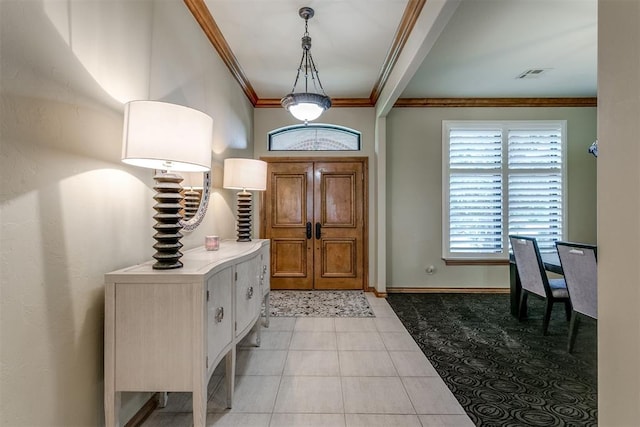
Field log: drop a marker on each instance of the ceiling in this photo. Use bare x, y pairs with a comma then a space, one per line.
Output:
476, 50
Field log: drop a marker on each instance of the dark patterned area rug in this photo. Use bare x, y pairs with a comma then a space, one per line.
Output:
504, 372
319, 304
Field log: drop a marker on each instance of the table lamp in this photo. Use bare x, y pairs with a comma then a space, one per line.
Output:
245, 174
192, 183
169, 138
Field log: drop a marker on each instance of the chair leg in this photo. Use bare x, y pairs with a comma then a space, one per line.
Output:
547, 316
567, 309
522, 312
573, 330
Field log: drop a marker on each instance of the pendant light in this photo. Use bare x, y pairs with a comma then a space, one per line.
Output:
307, 106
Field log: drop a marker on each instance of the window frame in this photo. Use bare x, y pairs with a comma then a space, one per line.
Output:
318, 126
504, 125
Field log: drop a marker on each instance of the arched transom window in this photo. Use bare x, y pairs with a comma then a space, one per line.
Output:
314, 137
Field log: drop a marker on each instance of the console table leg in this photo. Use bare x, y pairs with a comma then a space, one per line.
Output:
163, 398
258, 329
267, 310
112, 410
230, 374
200, 407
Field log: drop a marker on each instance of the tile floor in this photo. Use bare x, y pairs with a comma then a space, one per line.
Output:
334, 372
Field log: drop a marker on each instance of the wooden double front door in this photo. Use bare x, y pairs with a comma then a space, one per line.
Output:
314, 212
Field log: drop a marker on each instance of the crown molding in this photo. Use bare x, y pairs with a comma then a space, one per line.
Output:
201, 13
409, 18
337, 102
496, 102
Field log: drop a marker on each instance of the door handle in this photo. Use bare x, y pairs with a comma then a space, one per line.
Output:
309, 230
318, 230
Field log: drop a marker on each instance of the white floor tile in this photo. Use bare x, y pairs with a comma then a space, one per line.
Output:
355, 324
430, 396
399, 341
312, 363
274, 340
230, 419
281, 324
263, 362
307, 420
313, 341
375, 395
382, 420
319, 395
333, 372
412, 364
253, 394
446, 421
366, 364
389, 324
360, 341
315, 324
383, 311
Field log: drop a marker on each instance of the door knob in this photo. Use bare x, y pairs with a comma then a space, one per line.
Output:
318, 230
309, 230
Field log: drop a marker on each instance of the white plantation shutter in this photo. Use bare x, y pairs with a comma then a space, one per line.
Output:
475, 191
535, 185
475, 149
499, 179
475, 209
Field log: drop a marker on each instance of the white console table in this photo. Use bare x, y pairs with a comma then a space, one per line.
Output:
167, 330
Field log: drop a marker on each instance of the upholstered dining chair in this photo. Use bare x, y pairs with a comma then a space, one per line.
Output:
580, 267
534, 280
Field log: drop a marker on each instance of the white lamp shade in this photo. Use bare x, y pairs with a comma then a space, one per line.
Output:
165, 136
245, 174
306, 111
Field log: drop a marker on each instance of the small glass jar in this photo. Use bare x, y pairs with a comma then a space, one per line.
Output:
212, 243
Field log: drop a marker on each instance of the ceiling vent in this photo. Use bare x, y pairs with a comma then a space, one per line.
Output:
533, 73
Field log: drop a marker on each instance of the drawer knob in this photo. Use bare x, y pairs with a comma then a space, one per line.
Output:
219, 314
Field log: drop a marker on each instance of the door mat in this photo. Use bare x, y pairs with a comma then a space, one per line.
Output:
319, 304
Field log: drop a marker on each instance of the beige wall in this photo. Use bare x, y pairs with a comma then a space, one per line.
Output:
618, 213
70, 210
414, 191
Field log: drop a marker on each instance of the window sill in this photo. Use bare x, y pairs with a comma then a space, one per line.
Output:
476, 261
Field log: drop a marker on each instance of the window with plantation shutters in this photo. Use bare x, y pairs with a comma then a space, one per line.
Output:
501, 178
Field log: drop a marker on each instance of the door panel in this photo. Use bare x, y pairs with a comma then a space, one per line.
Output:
290, 200
290, 257
338, 206
288, 207
313, 212
340, 258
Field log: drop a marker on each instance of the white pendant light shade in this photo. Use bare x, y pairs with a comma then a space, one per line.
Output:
165, 136
306, 111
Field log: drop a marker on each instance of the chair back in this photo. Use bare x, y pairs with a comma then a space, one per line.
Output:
580, 267
530, 268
